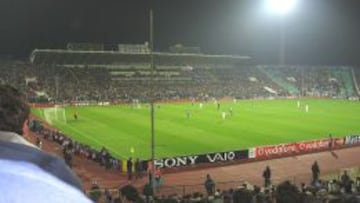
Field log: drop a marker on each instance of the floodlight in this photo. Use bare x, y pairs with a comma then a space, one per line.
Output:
280, 7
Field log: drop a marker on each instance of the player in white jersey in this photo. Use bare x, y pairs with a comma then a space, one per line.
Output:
223, 115
298, 104
201, 105
188, 114
306, 108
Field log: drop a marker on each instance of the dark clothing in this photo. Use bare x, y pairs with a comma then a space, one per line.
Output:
129, 166
331, 142
345, 179
242, 196
148, 192
49, 163
315, 172
346, 182
209, 186
267, 177
129, 192
138, 169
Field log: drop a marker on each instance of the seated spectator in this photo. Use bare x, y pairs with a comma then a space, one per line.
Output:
286, 192
95, 192
129, 192
357, 184
148, 192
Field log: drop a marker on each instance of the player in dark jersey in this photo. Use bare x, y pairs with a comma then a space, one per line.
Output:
75, 115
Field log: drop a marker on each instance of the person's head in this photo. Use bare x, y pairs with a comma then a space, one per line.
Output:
14, 111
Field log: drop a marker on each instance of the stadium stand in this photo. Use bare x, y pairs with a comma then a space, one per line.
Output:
344, 189
287, 77
125, 82
203, 77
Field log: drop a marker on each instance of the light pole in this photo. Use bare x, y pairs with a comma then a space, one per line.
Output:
281, 8
152, 112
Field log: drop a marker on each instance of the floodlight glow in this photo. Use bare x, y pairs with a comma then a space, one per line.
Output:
280, 7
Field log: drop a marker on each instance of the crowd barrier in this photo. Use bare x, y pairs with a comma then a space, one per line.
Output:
296, 148
192, 160
252, 154
352, 140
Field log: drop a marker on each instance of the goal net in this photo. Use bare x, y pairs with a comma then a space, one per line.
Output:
55, 115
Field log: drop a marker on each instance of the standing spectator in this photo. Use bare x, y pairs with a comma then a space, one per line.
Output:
315, 172
267, 176
331, 141
149, 170
209, 185
346, 182
138, 169
129, 166
157, 176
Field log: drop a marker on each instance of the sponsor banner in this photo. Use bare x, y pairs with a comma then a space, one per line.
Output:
103, 103
352, 139
252, 153
294, 148
192, 160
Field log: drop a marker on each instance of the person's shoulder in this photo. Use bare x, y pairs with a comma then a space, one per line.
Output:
48, 162
11, 137
39, 185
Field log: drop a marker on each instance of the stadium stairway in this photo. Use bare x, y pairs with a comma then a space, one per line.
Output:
344, 74
355, 81
276, 76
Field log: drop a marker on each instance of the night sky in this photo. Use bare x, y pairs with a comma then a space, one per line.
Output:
318, 32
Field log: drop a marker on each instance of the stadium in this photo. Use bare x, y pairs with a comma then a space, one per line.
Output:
127, 115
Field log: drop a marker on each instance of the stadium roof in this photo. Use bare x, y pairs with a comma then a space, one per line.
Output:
72, 57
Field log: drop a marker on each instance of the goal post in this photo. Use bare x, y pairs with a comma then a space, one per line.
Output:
55, 114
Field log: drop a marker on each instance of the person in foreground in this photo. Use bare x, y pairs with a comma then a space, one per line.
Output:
27, 173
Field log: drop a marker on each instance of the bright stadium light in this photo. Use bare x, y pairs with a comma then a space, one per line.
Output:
280, 7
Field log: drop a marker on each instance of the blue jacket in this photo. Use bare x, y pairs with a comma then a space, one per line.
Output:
14, 148
22, 181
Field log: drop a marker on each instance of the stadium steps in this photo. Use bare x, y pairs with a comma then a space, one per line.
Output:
355, 82
344, 74
276, 76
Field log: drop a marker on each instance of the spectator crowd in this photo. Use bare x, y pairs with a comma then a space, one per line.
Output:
67, 84
342, 190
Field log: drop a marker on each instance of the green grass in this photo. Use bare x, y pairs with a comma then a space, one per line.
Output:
254, 123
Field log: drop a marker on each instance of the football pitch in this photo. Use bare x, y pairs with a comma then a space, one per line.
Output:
187, 129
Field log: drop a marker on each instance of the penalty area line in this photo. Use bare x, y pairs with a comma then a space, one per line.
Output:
91, 138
